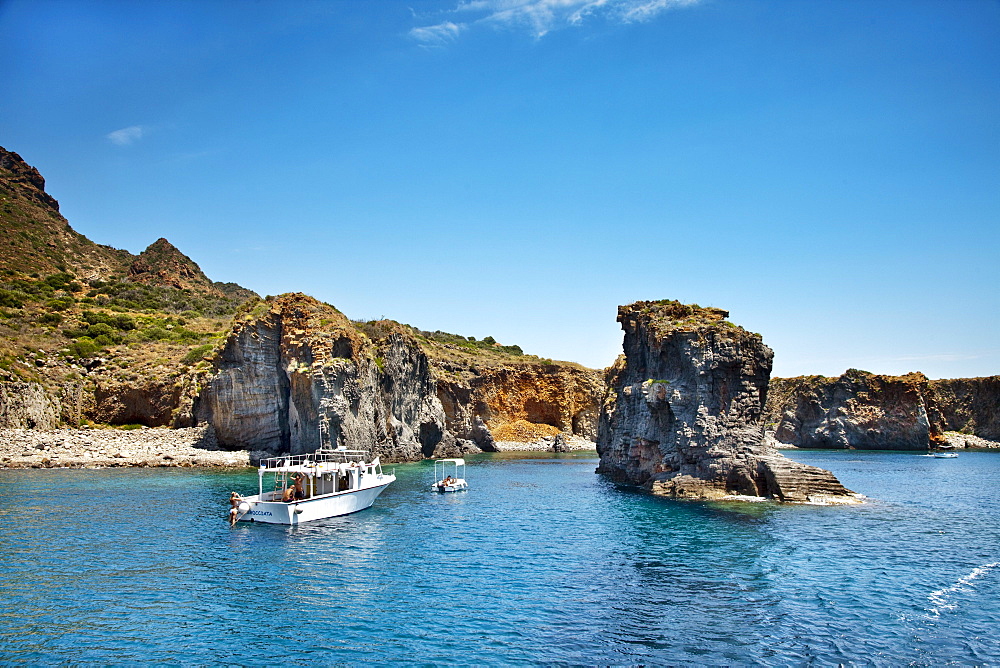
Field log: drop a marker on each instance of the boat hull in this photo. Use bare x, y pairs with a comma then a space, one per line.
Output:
317, 508
461, 485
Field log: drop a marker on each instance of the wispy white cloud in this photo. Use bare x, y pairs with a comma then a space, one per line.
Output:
126, 136
644, 10
437, 34
540, 17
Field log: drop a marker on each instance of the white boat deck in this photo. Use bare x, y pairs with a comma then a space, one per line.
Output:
329, 483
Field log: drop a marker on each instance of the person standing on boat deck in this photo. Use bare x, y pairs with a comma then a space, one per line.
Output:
298, 492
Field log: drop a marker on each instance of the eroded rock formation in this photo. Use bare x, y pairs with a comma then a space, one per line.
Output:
682, 415
295, 365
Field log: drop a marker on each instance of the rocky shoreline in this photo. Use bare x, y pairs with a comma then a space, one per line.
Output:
560, 443
165, 447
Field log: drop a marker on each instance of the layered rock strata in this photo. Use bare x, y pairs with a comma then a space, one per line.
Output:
868, 411
295, 367
682, 415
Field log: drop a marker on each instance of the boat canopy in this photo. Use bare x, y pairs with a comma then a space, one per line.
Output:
310, 462
457, 462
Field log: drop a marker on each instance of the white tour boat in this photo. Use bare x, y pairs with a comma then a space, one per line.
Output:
449, 483
313, 486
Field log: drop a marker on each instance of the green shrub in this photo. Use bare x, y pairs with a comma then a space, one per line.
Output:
100, 329
71, 333
197, 354
60, 304
50, 318
61, 281
11, 299
155, 334
84, 347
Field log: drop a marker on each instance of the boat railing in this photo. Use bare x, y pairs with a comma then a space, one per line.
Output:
321, 456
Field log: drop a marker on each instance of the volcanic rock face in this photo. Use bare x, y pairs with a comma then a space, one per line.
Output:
682, 413
858, 409
869, 411
968, 405
155, 402
27, 179
27, 406
522, 402
296, 366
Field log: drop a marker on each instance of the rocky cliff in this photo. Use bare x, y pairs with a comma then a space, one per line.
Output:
519, 401
869, 411
682, 415
294, 366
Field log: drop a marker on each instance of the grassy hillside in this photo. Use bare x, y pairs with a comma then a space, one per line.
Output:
67, 302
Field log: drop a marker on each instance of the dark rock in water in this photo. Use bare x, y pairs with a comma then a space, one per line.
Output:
558, 443
455, 447
682, 416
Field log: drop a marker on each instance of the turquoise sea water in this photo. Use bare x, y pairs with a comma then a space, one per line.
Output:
540, 562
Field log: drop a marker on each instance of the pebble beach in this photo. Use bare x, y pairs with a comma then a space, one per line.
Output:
104, 448
158, 447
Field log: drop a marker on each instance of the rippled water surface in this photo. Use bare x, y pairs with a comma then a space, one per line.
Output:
541, 561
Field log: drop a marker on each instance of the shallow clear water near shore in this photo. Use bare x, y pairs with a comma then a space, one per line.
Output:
541, 561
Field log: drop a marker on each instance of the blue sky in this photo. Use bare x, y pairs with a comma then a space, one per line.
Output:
827, 171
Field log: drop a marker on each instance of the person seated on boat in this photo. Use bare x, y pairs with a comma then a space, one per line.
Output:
288, 495
447, 481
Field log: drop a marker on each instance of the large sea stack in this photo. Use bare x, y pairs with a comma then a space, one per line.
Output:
682, 416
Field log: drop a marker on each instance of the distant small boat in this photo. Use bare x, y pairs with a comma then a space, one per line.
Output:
449, 483
945, 451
